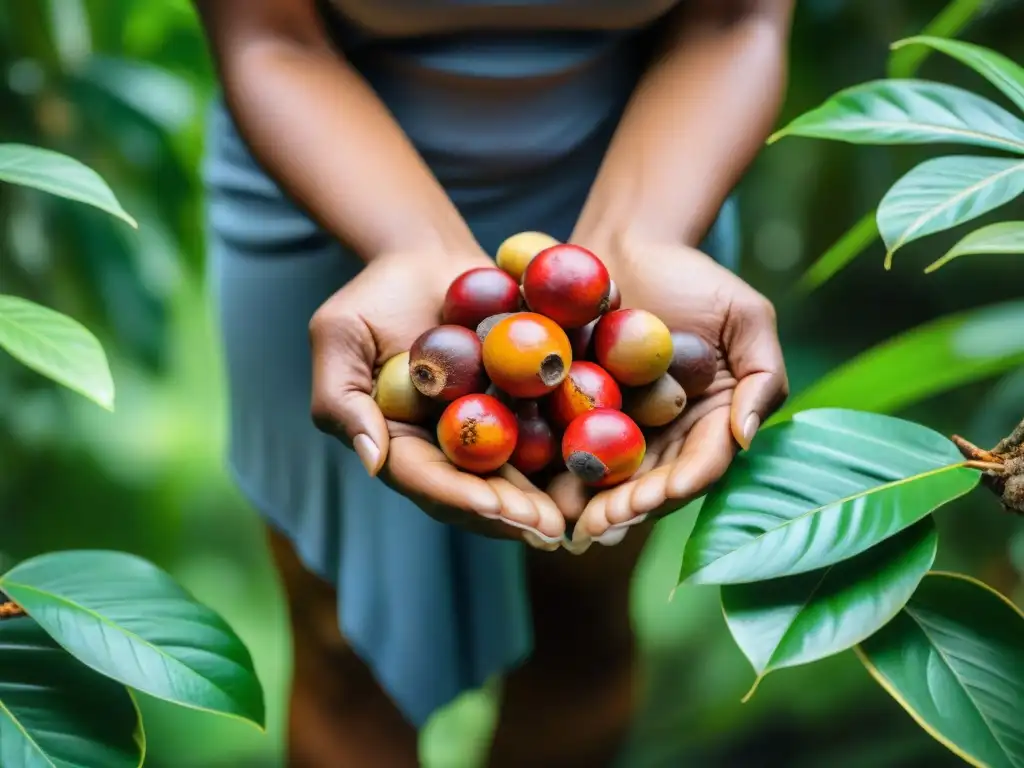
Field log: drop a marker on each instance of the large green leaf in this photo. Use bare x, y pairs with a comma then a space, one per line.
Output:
920, 363
799, 619
57, 347
129, 620
1003, 237
1002, 72
818, 490
909, 112
943, 192
954, 659
59, 175
57, 713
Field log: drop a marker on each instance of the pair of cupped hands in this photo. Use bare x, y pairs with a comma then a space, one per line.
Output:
398, 296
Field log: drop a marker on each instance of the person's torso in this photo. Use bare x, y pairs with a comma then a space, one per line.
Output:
510, 102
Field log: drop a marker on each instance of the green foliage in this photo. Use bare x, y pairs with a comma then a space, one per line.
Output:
943, 193
58, 713
59, 175
798, 619
946, 353
130, 621
57, 347
97, 622
954, 658
1004, 237
817, 490
821, 535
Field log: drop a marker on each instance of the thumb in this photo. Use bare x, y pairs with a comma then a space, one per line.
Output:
344, 353
755, 359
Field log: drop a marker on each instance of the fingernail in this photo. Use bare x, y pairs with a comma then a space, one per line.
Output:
612, 536
368, 453
750, 427
537, 542
577, 545
486, 503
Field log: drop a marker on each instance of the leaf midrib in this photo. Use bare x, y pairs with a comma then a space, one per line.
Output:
963, 686
117, 628
987, 138
24, 732
924, 218
796, 617
837, 502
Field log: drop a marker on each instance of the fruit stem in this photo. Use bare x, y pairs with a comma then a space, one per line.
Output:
10, 610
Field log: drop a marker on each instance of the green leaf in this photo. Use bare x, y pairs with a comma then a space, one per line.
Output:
949, 22
59, 175
57, 347
842, 252
909, 112
129, 620
954, 659
1004, 237
944, 192
925, 361
1003, 73
58, 713
818, 490
799, 619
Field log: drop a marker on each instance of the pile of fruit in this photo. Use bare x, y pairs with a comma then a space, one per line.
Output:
535, 359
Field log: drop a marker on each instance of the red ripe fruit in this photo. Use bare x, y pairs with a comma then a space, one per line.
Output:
446, 362
537, 445
633, 345
479, 293
588, 386
477, 433
567, 283
603, 447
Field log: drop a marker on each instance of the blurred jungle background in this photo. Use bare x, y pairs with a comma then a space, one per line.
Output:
123, 86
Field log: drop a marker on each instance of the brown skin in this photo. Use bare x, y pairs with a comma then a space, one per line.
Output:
701, 112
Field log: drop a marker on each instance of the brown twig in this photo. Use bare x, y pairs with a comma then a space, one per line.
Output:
1003, 466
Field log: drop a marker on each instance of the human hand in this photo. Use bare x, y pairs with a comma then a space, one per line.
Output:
689, 292
377, 315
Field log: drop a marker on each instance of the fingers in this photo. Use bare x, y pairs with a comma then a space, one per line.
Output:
703, 458
421, 470
507, 505
755, 358
343, 356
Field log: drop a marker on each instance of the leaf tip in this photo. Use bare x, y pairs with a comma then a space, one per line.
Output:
779, 134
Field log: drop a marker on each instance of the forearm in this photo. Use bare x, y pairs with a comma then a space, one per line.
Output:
694, 124
322, 133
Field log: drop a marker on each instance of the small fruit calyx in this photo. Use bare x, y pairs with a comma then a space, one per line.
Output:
1003, 467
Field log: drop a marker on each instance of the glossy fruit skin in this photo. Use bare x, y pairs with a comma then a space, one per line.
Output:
603, 447
588, 386
633, 345
527, 355
655, 404
446, 362
396, 395
517, 251
477, 294
477, 433
694, 363
537, 445
567, 283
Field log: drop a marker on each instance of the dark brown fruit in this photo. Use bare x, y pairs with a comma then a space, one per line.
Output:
537, 445
445, 363
694, 363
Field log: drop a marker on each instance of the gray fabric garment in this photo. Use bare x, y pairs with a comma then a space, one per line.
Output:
514, 124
